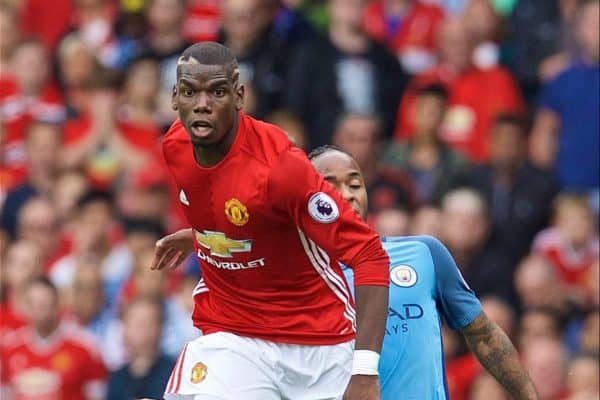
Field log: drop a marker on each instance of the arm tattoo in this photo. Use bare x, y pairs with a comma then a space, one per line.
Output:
497, 354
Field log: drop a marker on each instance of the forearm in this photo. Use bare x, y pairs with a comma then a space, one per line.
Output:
371, 313
497, 354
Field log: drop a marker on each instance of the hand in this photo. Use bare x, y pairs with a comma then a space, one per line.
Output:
172, 249
363, 387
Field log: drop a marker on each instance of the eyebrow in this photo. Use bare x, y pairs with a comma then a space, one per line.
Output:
193, 82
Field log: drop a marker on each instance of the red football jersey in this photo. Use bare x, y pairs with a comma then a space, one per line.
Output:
64, 366
269, 231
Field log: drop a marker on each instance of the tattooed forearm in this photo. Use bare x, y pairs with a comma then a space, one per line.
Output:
497, 354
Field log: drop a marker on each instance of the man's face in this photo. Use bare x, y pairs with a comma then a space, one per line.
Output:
358, 136
208, 98
506, 145
429, 113
43, 307
343, 173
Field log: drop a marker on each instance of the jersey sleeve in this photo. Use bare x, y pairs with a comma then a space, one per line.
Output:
94, 384
325, 218
456, 301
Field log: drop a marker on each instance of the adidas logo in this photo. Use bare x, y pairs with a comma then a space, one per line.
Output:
183, 198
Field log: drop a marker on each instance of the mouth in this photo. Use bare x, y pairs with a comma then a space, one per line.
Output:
201, 129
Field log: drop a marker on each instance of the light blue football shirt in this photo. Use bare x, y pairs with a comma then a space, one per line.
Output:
425, 286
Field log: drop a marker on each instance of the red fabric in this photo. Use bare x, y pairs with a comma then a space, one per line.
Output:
11, 320
202, 21
417, 29
59, 367
572, 266
46, 20
460, 374
476, 97
17, 112
264, 284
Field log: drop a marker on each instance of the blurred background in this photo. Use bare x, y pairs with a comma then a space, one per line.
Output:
476, 121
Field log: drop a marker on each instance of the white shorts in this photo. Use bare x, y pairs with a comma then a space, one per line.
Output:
224, 366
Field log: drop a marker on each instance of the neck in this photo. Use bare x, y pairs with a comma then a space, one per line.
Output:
140, 364
348, 39
424, 139
46, 331
207, 156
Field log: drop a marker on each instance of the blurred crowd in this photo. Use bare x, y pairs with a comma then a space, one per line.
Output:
476, 121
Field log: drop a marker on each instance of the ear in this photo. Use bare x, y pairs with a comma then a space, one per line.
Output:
239, 97
174, 103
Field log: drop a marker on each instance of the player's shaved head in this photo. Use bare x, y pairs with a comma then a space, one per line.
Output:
207, 53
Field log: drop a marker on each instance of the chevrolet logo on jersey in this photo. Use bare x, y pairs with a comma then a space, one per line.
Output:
220, 245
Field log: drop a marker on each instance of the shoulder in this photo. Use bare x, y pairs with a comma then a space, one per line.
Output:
424, 242
16, 338
79, 338
175, 136
264, 142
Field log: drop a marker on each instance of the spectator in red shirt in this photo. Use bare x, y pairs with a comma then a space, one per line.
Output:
406, 27
46, 20
570, 245
476, 96
27, 92
21, 264
545, 360
202, 20
49, 360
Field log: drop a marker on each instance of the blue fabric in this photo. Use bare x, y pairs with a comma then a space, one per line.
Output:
412, 360
122, 385
574, 96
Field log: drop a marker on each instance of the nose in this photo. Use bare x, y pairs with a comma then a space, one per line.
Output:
203, 104
347, 194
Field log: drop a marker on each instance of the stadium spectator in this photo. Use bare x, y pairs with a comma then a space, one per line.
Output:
538, 285
360, 135
94, 22
431, 163
391, 222
202, 20
50, 359
476, 97
77, 64
408, 28
10, 33
483, 24
570, 245
501, 313
69, 186
518, 194
37, 222
426, 220
262, 51
567, 121
346, 73
95, 240
86, 302
35, 174
27, 94
291, 124
583, 380
536, 323
466, 233
20, 265
589, 340
147, 371
545, 360
166, 42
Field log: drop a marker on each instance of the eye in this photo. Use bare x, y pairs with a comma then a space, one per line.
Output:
220, 92
188, 92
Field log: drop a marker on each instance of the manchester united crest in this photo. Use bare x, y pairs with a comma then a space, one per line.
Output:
236, 212
199, 372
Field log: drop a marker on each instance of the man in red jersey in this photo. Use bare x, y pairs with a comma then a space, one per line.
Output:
276, 313
49, 360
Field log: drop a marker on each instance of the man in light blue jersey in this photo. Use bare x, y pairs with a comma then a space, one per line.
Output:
425, 287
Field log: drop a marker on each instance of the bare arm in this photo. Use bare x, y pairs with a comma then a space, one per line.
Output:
542, 144
371, 311
497, 354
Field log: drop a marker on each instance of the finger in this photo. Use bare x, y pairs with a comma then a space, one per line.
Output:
176, 260
166, 257
159, 251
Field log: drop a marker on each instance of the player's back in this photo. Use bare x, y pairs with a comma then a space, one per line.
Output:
412, 358
265, 254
